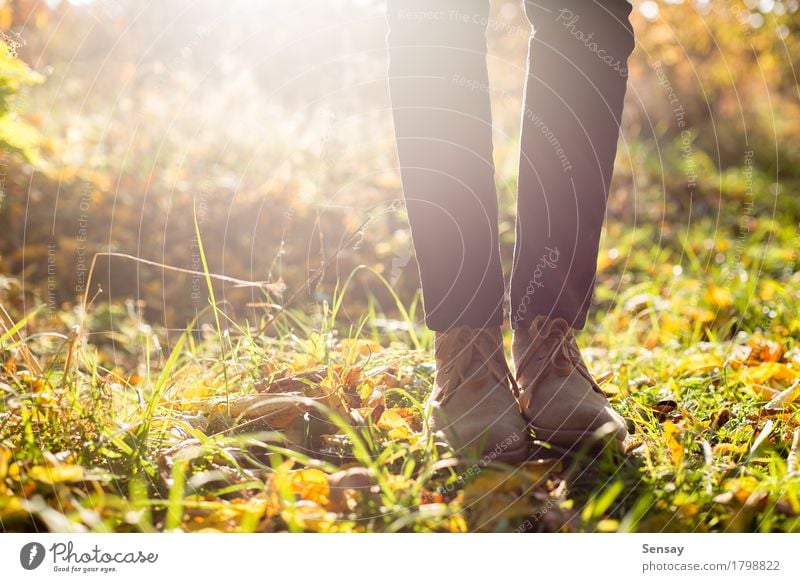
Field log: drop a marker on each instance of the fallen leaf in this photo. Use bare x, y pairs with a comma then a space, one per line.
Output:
763, 435
292, 383
309, 516
764, 350
56, 474
694, 363
767, 371
784, 398
311, 485
719, 297
352, 487
720, 418
674, 445
395, 424
664, 408
277, 410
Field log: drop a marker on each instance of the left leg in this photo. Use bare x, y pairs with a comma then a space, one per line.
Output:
577, 75
574, 95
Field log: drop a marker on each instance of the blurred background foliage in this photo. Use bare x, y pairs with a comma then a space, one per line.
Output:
120, 120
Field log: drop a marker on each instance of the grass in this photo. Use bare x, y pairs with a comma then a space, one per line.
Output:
306, 419
317, 424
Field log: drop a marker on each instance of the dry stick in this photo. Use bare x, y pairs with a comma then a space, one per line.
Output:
85, 306
241, 282
313, 278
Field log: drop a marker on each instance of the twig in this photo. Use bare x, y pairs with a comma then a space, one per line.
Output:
240, 282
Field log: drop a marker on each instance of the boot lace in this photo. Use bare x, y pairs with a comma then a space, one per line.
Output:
459, 349
554, 343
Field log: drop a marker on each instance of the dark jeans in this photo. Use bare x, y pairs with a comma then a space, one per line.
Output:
576, 82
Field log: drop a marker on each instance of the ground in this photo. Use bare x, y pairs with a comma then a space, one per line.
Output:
307, 425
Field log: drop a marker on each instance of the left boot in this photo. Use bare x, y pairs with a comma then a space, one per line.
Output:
558, 395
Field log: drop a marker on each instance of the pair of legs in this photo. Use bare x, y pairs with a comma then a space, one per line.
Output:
441, 100
440, 92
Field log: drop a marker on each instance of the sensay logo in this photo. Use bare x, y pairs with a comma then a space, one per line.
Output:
31, 555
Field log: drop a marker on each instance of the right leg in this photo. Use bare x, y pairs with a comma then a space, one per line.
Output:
439, 89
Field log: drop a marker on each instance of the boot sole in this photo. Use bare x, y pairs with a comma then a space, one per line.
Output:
518, 454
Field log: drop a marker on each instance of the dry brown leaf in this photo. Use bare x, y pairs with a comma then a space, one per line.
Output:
277, 410
352, 487
293, 383
764, 350
664, 409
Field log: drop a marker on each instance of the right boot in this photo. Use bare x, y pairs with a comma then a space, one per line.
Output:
473, 404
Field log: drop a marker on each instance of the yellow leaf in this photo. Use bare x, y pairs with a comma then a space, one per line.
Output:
610, 389
784, 398
522, 479
674, 445
719, 296
769, 289
607, 525
5, 457
770, 371
304, 362
195, 391
763, 435
57, 474
699, 363
6, 16
395, 424
309, 516
311, 485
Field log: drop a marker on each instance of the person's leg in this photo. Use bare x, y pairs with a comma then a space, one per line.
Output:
439, 88
439, 91
577, 74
